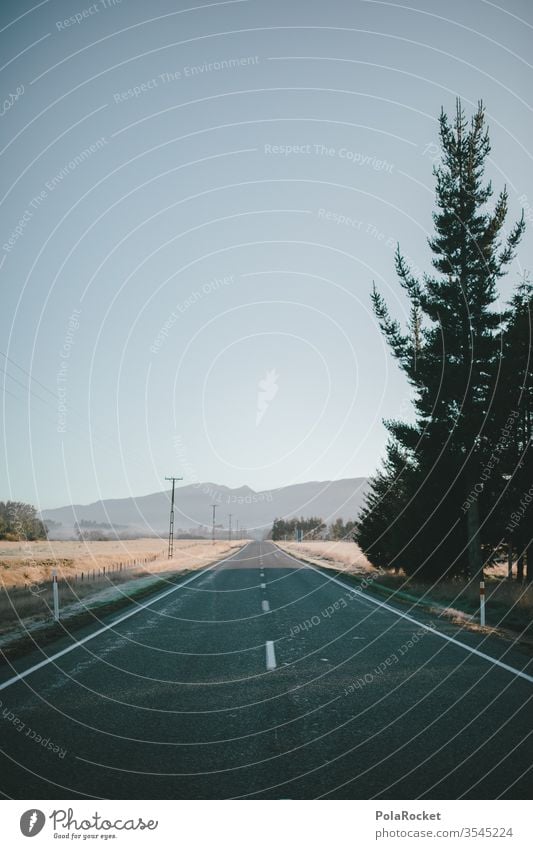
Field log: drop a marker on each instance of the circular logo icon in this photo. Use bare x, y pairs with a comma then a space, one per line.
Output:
32, 822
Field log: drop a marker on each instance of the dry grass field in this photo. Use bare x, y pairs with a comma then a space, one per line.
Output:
345, 556
33, 562
92, 576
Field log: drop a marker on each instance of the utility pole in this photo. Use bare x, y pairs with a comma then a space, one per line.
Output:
214, 506
171, 525
229, 530
237, 531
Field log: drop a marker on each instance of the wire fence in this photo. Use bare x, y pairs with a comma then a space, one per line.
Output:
37, 599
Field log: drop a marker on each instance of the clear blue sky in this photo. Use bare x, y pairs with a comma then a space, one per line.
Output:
194, 206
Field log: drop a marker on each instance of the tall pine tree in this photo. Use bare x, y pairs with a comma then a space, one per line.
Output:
450, 351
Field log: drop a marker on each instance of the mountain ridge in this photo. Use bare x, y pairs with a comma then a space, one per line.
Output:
254, 509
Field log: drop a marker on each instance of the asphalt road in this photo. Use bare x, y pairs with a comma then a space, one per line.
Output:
264, 678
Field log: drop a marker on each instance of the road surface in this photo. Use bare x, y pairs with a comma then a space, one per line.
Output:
262, 677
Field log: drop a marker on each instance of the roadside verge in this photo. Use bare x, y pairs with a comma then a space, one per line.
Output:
37, 632
368, 583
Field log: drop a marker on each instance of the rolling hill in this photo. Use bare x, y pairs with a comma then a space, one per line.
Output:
255, 511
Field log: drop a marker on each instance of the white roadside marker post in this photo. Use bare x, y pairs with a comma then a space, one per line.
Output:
55, 593
482, 603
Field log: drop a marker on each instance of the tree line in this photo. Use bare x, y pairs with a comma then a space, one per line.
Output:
312, 528
19, 521
455, 490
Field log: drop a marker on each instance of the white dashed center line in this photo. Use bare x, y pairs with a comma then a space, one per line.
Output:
265, 605
270, 655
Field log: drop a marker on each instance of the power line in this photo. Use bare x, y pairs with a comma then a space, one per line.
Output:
28, 374
26, 388
171, 525
16, 397
214, 506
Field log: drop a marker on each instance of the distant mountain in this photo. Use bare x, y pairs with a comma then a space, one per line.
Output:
253, 510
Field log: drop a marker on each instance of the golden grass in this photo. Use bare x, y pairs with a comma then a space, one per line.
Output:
33, 562
345, 556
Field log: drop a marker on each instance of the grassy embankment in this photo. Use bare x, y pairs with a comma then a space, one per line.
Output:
508, 604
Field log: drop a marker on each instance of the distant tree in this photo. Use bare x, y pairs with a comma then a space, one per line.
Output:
52, 525
282, 529
88, 531
312, 528
339, 529
315, 528
19, 521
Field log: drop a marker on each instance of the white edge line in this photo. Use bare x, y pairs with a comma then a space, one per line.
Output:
138, 609
265, 605
446, 637
270, 655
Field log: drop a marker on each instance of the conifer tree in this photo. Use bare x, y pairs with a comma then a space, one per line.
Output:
450, 352
513, 496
